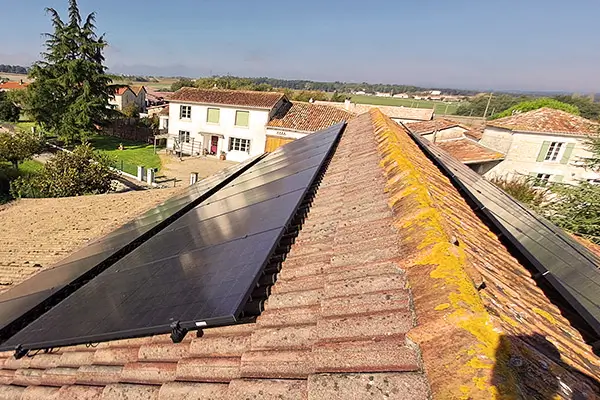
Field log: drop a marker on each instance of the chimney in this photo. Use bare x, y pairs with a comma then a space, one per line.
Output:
21, 82
347, 104
311, 100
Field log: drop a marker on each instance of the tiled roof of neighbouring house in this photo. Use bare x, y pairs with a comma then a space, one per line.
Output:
11, 85
121, 91
547, 120
65, 225
240, 98
381, 296
469, 151
164, 111
307, 117
136, 89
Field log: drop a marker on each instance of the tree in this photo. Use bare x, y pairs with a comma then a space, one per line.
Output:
9, 111
181, 83
68, 174
70, 93
587, 107
17, 147
500, 102
337, 97
536, 104
131, 111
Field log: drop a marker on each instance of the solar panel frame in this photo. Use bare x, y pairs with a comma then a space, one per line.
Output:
248, 181
518, 224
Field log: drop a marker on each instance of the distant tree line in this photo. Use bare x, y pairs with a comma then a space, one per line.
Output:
133, 78
269, 84
14, 69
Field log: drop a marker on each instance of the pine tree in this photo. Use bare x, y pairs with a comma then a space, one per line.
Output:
69, 97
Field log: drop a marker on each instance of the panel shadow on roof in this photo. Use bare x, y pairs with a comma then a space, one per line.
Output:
201, 269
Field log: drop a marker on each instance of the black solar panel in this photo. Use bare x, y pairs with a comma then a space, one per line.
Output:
201, 269
567, 265
30, 299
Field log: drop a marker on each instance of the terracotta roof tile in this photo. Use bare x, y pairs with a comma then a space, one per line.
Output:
164, 112
11, 85
469, 151
66, 224
239, 98
307, 117
373, 294
547, 120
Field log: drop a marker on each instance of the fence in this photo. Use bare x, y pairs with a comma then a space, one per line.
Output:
130, 129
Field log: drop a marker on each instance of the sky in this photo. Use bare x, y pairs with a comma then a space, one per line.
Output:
472, 44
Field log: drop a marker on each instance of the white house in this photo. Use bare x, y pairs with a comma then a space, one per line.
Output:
127, 95
546, 143
239, 124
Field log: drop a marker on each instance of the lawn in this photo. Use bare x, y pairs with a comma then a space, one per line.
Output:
132, 155
441, 108
26, 167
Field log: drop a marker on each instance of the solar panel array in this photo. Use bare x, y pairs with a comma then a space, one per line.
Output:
198, 271
27, 301
567, 265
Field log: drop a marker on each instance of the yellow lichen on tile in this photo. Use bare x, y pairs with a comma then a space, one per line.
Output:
545, 314
464, 308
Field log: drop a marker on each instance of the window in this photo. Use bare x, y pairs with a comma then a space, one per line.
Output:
553, 151
184, 136
242, 118
185, 112
213, 115
239, 144
542, 179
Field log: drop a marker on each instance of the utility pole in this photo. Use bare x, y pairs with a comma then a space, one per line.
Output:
488, 105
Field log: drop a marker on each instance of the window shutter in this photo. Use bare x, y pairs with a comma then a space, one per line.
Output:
213, 115
241, 118
558, 178
543, 151
567, 154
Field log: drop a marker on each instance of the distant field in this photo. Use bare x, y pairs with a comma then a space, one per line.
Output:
441, 108
15, 77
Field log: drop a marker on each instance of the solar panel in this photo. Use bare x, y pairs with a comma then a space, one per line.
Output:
200, 270
568, 266
30, 299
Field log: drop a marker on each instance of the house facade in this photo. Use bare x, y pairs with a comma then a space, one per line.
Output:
238, 124
547, 144
128, 95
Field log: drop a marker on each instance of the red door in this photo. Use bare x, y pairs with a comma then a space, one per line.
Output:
214, 141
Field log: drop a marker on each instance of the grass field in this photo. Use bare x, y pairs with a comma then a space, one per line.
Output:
440, 107
162, 84
26, 167
133, 154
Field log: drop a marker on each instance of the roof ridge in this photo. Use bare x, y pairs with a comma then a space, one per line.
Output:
464, 309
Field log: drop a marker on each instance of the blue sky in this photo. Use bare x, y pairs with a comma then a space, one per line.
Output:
480, 44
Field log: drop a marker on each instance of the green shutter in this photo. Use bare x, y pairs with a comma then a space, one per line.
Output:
567, 154
214, 115
557, 178
241, 118
543, 151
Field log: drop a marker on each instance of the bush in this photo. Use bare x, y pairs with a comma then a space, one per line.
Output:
538, 103
521, 188
8, 109
68, 174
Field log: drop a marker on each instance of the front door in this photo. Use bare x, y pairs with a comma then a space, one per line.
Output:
214, 141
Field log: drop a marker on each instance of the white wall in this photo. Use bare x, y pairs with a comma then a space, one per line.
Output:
522, 156
455, 132
497, 139
197, 126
